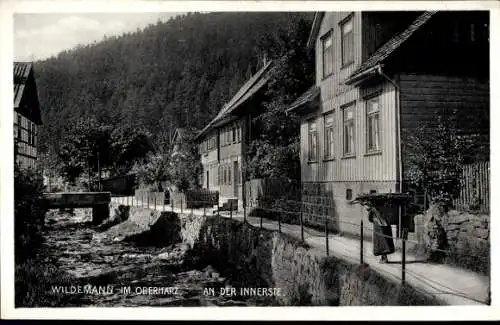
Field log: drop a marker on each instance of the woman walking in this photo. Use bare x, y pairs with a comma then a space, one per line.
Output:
382, 235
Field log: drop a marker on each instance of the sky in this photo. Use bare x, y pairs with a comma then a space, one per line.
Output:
39, 36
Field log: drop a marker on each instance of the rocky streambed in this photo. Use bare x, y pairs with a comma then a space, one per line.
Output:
109, 271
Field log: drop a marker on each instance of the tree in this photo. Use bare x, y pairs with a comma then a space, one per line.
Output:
84, 149
153, 171
436, 153
185, 167
128, 146
276, 151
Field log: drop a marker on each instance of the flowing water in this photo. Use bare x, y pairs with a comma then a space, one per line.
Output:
108, 272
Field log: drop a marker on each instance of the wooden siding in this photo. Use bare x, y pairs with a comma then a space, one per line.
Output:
222, 157
333, 85
423, 95
474, 188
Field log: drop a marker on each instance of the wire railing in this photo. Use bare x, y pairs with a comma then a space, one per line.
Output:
294, 223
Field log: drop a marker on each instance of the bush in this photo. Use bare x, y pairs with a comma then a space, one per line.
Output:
28, 211
33, 285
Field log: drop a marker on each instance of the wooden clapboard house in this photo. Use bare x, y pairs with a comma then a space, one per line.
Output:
223, 141
27, 115
379, 75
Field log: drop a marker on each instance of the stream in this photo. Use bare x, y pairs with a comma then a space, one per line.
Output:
112, 273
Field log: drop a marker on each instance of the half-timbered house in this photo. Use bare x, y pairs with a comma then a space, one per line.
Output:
27, 115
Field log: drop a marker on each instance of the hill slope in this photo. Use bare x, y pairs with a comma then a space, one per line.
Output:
173, 74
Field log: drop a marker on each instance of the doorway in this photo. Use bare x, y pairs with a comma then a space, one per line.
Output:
208, 182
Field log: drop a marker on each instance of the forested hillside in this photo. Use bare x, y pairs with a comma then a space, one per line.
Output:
173, 74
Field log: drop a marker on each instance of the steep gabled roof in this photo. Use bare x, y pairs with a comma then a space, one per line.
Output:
313, 35
21, 73
183, 133
251, 86
385, 51
24, 83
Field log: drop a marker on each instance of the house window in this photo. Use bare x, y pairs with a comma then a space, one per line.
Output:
228, 136
19, 125
313, 142
347, 42
329, 135
211, 143
348, 129
327, 49
229, 181
372, 124
234, 134
348, 194
30, 133
238, 134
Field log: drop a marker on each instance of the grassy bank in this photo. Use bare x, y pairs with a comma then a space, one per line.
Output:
34, 283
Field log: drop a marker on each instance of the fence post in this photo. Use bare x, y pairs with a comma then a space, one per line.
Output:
403, 257
361, 230
204, 210
231, 211
163, 201
260, 220
127, 199
147, 198
154, 198
132, 201
326, 238
301, 223
172, 204
279, 222
181, 204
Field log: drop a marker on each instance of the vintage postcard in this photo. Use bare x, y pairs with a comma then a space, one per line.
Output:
193, 160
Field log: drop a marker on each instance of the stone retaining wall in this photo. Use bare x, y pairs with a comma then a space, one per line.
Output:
266, 258
467, 236
262, 258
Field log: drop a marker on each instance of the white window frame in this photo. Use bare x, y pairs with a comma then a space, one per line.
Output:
373, 130
349, 125
347, 41
327, 53
329, 134
312, 141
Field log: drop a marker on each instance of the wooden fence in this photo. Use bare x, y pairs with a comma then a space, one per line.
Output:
475, 188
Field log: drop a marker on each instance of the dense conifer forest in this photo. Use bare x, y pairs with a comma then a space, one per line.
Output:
172, 74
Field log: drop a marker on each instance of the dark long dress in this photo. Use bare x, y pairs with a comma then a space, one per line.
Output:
383, 243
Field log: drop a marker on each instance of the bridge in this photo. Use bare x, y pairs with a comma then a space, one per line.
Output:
98, 201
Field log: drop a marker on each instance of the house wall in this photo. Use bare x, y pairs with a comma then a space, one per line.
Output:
209, 161
25, 133
222, 160
423, 95
362, 172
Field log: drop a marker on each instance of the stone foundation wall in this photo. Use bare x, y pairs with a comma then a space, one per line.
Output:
318, 206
